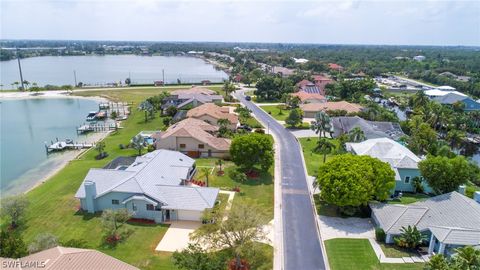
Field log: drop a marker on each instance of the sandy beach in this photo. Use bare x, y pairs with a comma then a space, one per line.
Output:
56, 161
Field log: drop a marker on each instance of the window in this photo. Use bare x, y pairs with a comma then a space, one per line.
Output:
407, 179
115, 202
182, 145
201, 146
150, 207
134, 207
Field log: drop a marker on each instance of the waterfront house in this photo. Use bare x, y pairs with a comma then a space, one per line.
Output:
193, 137
191, 98
371, 129
448, 221
154, 186
453, 97
212, 113
310, 109
402, 161
61, 258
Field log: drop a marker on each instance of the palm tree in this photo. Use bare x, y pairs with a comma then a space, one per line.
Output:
455, 137
26, 83
356, 135
206, 172
223, 126
147, 107
321, 124
138, 143
325, 147
467, 257
410, 237
420, 99
220, 163
15, 84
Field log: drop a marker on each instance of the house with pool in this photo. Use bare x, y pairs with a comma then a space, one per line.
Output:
402, 161
156, 186
447, 221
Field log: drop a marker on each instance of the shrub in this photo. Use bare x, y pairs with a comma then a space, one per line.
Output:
411, 237
417, 184
237, 175
167, 120
380, 235
260, 130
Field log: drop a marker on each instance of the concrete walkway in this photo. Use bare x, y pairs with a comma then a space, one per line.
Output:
384, 259
177, 236
336, 227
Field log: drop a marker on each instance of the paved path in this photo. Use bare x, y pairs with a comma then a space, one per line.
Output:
335, 227
177, 236
302, 246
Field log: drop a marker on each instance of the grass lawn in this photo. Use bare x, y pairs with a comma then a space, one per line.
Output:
358, 254
54, 209
313, 160
397, 252
259, 190
276, 112
303, 126
409, 198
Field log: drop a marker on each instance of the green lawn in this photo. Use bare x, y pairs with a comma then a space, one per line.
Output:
358, 254
409, 198
313, 160
276, 112
54, 209
394, 251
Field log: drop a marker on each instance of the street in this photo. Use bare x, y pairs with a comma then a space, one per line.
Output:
302, 248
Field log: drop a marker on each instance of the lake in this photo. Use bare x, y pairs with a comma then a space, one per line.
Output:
102, 70
25, 126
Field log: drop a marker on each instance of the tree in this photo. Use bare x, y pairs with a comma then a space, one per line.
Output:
322, 124
467, 258
223, 129
324, 146
423, 139
294, 118
196, 257
228, 88
138, 143
43, 241
100, 147
238, 232
350, 180
437, 262
147, 107
11, 244
445, 174
171, 111
219, 163
410, 237
292, 101
455, 137
113, 220
206, 172
252, 150
14, 208
419, 100
356, 135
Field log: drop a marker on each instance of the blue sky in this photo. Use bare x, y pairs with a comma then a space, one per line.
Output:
428, 22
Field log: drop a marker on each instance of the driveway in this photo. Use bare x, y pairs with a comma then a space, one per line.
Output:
302, 248
335, 227
177, 236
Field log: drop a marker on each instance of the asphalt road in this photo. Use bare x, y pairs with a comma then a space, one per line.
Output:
301, 242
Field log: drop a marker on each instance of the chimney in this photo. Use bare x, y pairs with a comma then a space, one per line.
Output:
476, 196
461, 189
90, 194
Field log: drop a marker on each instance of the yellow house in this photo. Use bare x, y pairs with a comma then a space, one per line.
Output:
211, 113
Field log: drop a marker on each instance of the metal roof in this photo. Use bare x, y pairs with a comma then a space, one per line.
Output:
371, 129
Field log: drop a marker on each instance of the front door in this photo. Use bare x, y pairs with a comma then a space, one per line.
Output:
167, 215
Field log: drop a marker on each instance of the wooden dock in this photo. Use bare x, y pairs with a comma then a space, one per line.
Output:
66, 145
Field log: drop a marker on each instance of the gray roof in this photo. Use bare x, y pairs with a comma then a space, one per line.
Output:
453, 218
450, 98
371, 129
158, 176
120, 161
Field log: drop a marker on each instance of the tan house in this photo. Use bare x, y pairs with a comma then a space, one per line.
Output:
193, 137
311, 109
61, 258
194, 90
309, 97
212, 113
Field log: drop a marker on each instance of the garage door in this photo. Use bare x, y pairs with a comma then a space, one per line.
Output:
189, 215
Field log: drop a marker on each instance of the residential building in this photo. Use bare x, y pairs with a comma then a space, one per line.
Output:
191, 98
193, 137
371, 129
61, 258
402, 161
211, 113
321, 82
311, 109
448, 221
154, 186
306, 97
334, 66
300, 60
419, 58
454, 97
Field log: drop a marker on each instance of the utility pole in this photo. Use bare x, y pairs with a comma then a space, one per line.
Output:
75, 77
163, 76
20, 69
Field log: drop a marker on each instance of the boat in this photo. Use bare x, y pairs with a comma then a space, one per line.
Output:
101, 115
91, 116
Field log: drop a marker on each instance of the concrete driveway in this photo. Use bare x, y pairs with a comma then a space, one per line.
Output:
334, 227
177, 236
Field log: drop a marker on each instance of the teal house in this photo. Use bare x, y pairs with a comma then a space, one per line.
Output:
402, 161
155, 186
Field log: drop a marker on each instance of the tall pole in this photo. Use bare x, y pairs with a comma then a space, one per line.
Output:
75, 77
20, 69
163, 76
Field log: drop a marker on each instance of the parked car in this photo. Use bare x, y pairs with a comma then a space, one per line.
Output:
245, 127
248, 98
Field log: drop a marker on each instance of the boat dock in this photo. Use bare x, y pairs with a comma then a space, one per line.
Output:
96, 127
66, 145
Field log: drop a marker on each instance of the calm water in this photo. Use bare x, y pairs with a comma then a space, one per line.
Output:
25, 126
100, 70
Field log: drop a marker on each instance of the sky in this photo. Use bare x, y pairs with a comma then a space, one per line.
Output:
426, 22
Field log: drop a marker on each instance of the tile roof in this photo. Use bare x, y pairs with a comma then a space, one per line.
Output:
335, 66
331, 106
371, 129
319, 77
153, 175
303, 83
453, 218
214, 111
198, 129
306, 96
61, 258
